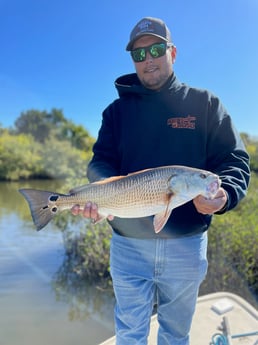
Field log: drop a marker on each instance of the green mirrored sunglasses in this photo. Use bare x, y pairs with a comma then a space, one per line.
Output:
156, 50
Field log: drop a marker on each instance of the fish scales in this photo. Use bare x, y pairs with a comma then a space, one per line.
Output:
144, 191
148, 192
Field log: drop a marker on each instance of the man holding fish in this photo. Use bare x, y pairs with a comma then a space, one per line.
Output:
158, 121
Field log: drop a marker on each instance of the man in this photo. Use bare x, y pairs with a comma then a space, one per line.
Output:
158, 121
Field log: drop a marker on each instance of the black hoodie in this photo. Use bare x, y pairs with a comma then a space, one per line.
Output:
177, 125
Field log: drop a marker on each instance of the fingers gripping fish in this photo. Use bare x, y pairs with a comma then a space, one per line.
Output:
144, 193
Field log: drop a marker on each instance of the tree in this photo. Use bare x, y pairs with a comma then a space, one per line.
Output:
59, 159
34, 122
43, 125
77, 135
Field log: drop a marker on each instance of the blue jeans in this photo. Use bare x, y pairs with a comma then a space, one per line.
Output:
166, 271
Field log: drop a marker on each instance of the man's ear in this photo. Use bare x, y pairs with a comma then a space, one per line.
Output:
173, 54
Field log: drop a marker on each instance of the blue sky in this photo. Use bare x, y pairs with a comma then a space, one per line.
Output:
67, 54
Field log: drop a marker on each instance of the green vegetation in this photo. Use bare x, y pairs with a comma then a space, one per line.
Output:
233, 247
90, 251
47, 145
44, 145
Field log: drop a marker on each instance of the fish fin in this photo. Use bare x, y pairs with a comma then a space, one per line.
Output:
108, 179
105, 180
85, 186
100, 182
78, 189
120, 177
160, 220
40, 210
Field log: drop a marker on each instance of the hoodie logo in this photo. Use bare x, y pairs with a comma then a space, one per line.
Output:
182, 122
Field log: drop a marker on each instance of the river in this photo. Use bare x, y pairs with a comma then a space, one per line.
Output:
38, 305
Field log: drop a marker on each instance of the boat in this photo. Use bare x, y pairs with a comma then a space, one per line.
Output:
221, 318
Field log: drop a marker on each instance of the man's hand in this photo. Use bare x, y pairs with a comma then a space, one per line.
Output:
90, 210
210, 206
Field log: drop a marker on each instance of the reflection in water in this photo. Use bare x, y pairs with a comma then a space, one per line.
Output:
41, 300
84, 299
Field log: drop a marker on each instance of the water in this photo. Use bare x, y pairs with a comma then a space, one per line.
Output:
38, 304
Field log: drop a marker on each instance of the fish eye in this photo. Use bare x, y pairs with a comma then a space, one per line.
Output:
203, 176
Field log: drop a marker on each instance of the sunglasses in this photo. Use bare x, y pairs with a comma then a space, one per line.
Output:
156, 50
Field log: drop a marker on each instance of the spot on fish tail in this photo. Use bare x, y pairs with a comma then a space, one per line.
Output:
53, 198
45, 207
54, 209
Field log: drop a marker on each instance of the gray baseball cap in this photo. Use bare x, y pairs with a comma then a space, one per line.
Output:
149, 26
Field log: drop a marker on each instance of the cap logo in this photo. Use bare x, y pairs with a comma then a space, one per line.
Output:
144, 26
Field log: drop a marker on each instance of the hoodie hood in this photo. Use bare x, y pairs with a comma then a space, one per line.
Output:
130, 84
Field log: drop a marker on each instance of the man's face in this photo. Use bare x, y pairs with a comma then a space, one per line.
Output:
154, 72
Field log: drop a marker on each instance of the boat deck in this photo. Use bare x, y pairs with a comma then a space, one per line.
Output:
211, 312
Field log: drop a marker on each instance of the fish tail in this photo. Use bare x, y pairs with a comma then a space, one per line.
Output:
38, 200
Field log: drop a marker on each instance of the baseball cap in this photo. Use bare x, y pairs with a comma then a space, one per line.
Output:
149, 26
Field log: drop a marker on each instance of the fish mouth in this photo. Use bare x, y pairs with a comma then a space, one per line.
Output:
213, 187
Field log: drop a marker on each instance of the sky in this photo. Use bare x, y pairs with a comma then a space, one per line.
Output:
67, 54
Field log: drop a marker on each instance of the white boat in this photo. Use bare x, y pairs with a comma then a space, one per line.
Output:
220, 318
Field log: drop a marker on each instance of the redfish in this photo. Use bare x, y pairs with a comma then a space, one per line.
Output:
144, 193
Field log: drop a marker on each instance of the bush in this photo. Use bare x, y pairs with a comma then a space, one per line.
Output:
59, 159
95, 250
19, 156
88, 250
233, 246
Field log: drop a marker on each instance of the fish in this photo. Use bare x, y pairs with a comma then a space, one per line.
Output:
150, 192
